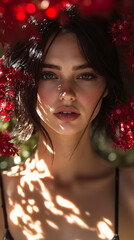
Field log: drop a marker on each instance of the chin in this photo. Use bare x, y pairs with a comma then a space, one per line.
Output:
64, 128
67, 129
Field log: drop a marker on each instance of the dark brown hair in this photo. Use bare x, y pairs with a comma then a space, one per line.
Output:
93, 34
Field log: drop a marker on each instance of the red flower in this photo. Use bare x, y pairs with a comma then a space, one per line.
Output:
121, 124
10, 79
122, 31
6, 146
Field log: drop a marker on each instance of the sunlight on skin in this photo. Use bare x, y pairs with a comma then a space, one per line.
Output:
30, 175
31, 201
42, 167
87, 213
35, 172
107, 221
33, 207
35, 176
105, 231
20, 191
18, 213
29, 209
14, 171
73, 219
40, 113
52, 224
61, 127
41, 108
31, 237
51, 207
67, 204
10, 201
50, 109
48, 147
40, 105
36, 226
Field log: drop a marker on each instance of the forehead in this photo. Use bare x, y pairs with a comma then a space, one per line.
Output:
65, 46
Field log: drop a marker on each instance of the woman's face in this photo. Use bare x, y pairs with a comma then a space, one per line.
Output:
67, 81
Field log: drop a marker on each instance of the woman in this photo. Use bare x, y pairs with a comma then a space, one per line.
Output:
65, 190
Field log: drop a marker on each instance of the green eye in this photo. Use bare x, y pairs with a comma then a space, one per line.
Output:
48, 76
86, 76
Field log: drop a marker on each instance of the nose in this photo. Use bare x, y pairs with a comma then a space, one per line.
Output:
67, 95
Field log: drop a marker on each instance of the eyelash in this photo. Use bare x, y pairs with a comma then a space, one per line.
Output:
48, 73
91, 76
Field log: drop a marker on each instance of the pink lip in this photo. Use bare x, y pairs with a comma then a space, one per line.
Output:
67, 109
67, 117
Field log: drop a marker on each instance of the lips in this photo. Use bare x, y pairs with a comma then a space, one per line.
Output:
66, 109
67, 113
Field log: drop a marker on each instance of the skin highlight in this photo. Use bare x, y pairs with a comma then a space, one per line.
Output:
81, 93
69, 198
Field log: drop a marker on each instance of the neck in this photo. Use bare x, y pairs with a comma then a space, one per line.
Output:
83, 162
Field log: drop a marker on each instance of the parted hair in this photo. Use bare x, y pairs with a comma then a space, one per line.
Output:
95, 39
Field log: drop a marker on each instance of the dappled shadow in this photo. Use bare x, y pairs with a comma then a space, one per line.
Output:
42, 211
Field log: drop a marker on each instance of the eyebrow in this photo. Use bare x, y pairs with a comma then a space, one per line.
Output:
47, 65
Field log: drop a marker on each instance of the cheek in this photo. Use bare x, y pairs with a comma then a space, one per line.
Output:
44, 103
44, 98
90, 96
90, 101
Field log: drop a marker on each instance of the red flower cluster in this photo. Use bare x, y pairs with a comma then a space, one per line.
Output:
121, 124
7, 79
6, 147
10, 79
123, 31
14, 14
17, 13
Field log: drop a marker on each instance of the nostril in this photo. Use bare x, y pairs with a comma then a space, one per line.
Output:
67, 96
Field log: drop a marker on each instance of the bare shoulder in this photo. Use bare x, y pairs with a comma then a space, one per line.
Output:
127, 175
127, 181
127, 188
14, 171
9, 177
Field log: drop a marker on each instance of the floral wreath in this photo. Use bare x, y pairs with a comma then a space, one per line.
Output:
121, 118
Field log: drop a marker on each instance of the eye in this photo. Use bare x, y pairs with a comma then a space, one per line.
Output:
87, 76
48, 76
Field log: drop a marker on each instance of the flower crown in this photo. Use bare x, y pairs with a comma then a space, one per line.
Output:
121, 118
